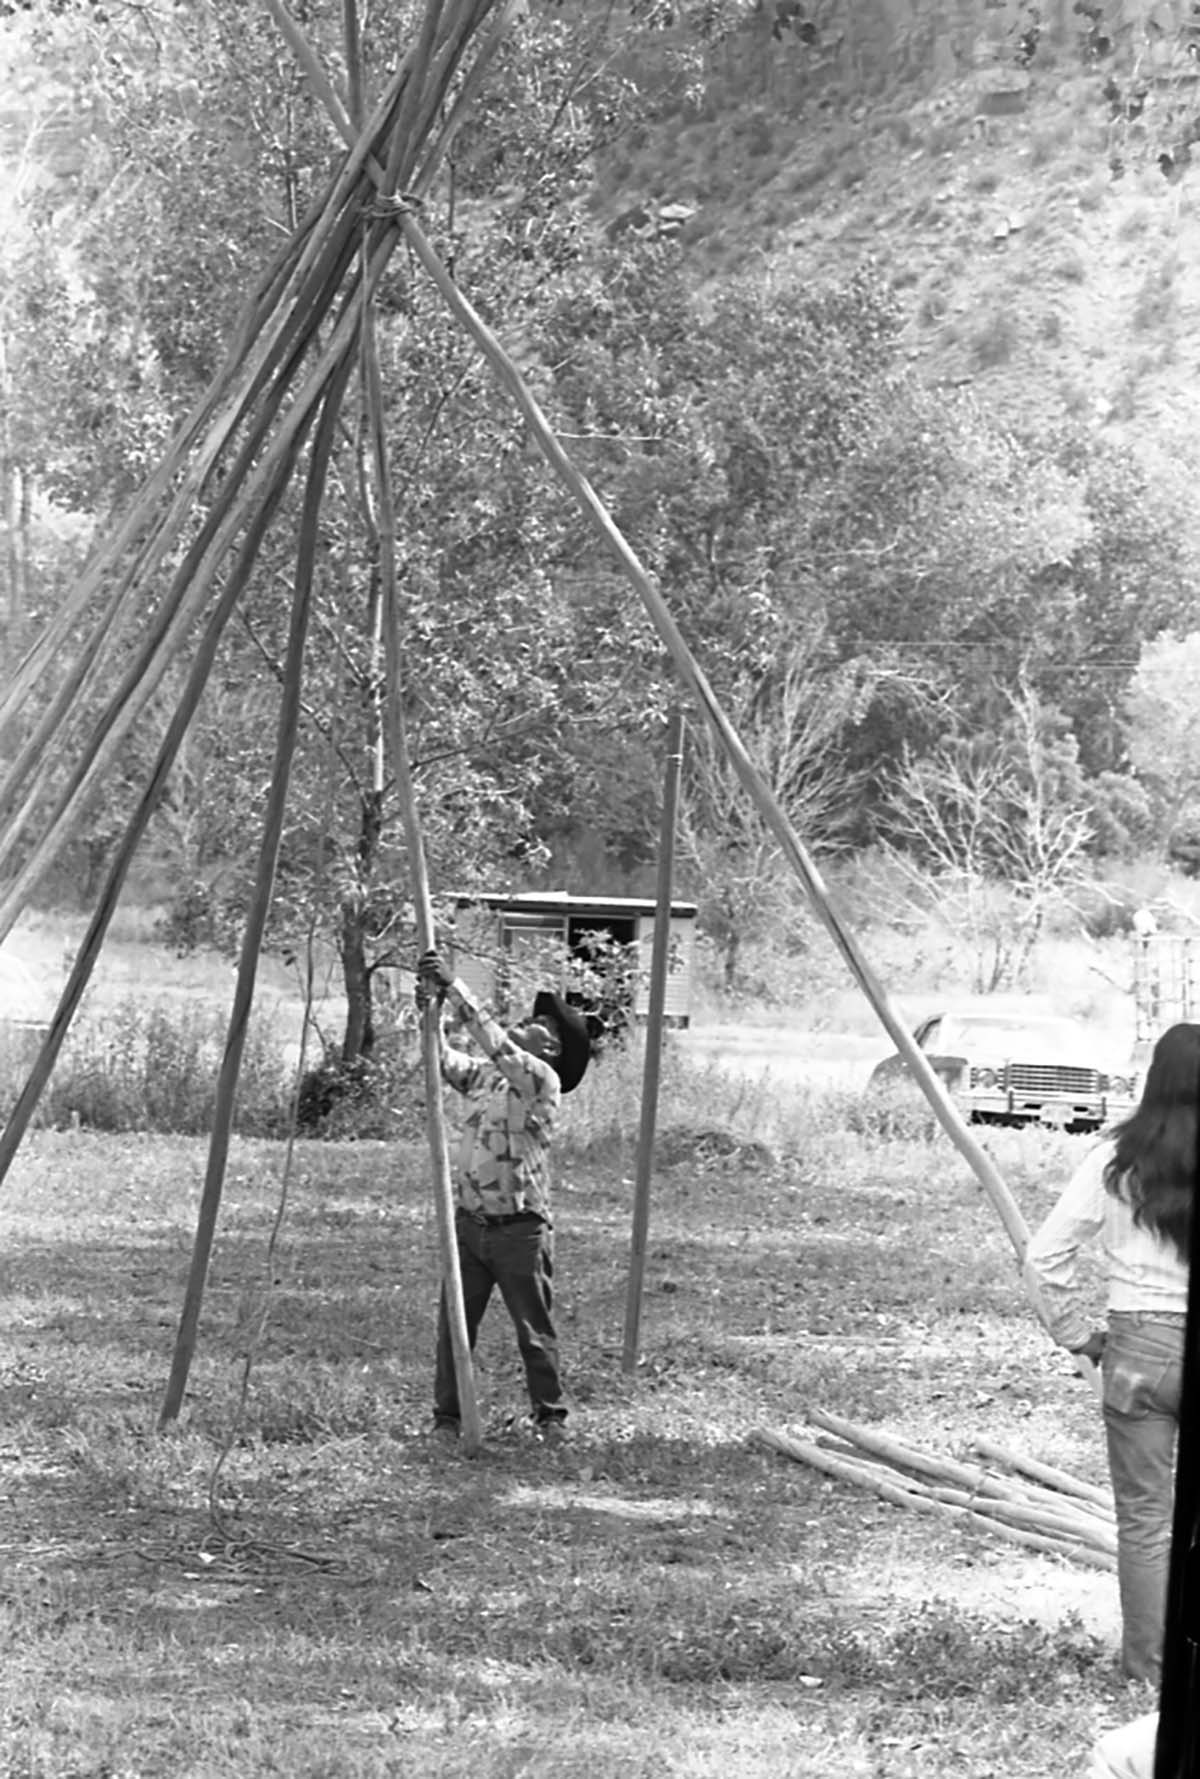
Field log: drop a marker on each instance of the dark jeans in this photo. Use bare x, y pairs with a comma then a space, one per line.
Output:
1142, 1370
518, 1259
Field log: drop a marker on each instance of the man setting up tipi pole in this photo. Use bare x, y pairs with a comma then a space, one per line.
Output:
503, 1225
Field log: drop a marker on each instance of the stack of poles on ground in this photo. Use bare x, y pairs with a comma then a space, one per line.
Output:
1008, 1496
207, 508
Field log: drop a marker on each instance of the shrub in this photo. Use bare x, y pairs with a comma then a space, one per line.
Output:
945, 137
1135, 223
994, 339
1123, 819
199, 915
156, 1069
359, 1100
1092, 192
852, 170
898, 1112
757, 135
1048, 144
1106, 911
933, 307
602, 1117
1070, 264
1157, 299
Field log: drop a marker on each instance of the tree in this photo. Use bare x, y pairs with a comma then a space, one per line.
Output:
1162, 710
761, 445
791, 726
993, 830
1129, 576
522, 705
705, 427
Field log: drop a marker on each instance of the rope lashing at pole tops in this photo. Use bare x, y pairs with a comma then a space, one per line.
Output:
304, 324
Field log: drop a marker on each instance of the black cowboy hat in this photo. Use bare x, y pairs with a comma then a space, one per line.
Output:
572, 1035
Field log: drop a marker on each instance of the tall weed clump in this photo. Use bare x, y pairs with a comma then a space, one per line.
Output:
696, 1098
705, 1108
371, 1099
155, 1069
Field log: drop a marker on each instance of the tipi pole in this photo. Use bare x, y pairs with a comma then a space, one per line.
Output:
400, 151
162, 636
439, 1150
201, 563
312, 266
309, 266
256, 919
145, 522
352, 40
314, 273
659, 960
256, 922
435, 1120
693, 677
93, 938
451, 124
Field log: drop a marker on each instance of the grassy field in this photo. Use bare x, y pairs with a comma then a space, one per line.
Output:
304, 1585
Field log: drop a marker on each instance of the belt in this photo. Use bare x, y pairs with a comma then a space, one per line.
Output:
1173, 1318
487, 1222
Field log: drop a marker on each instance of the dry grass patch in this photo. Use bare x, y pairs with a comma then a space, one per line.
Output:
335, 1598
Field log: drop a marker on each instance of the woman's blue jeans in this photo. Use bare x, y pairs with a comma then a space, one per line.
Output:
1143, 1371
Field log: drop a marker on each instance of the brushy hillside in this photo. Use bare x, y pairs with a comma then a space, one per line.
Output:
1041, 257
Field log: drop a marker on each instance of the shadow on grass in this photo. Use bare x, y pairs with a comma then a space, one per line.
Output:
660, 1567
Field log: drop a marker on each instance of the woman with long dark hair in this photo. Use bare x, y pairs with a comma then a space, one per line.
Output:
1134, 1191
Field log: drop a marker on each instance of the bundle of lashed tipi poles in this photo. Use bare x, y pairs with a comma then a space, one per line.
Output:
208, 504
186, 548
1009, 1496
198, 523
167, 582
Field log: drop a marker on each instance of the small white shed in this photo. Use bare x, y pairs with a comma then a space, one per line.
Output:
507, 945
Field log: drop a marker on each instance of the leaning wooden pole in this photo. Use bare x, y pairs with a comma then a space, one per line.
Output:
152, 520
162, 634
302, 281
449, 115
260, 906
693, 678
295, 295
659, 960
472, 1435
435, 1120
118, 869
164, 639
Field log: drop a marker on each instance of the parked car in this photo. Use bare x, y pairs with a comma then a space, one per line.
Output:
1013, 1066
